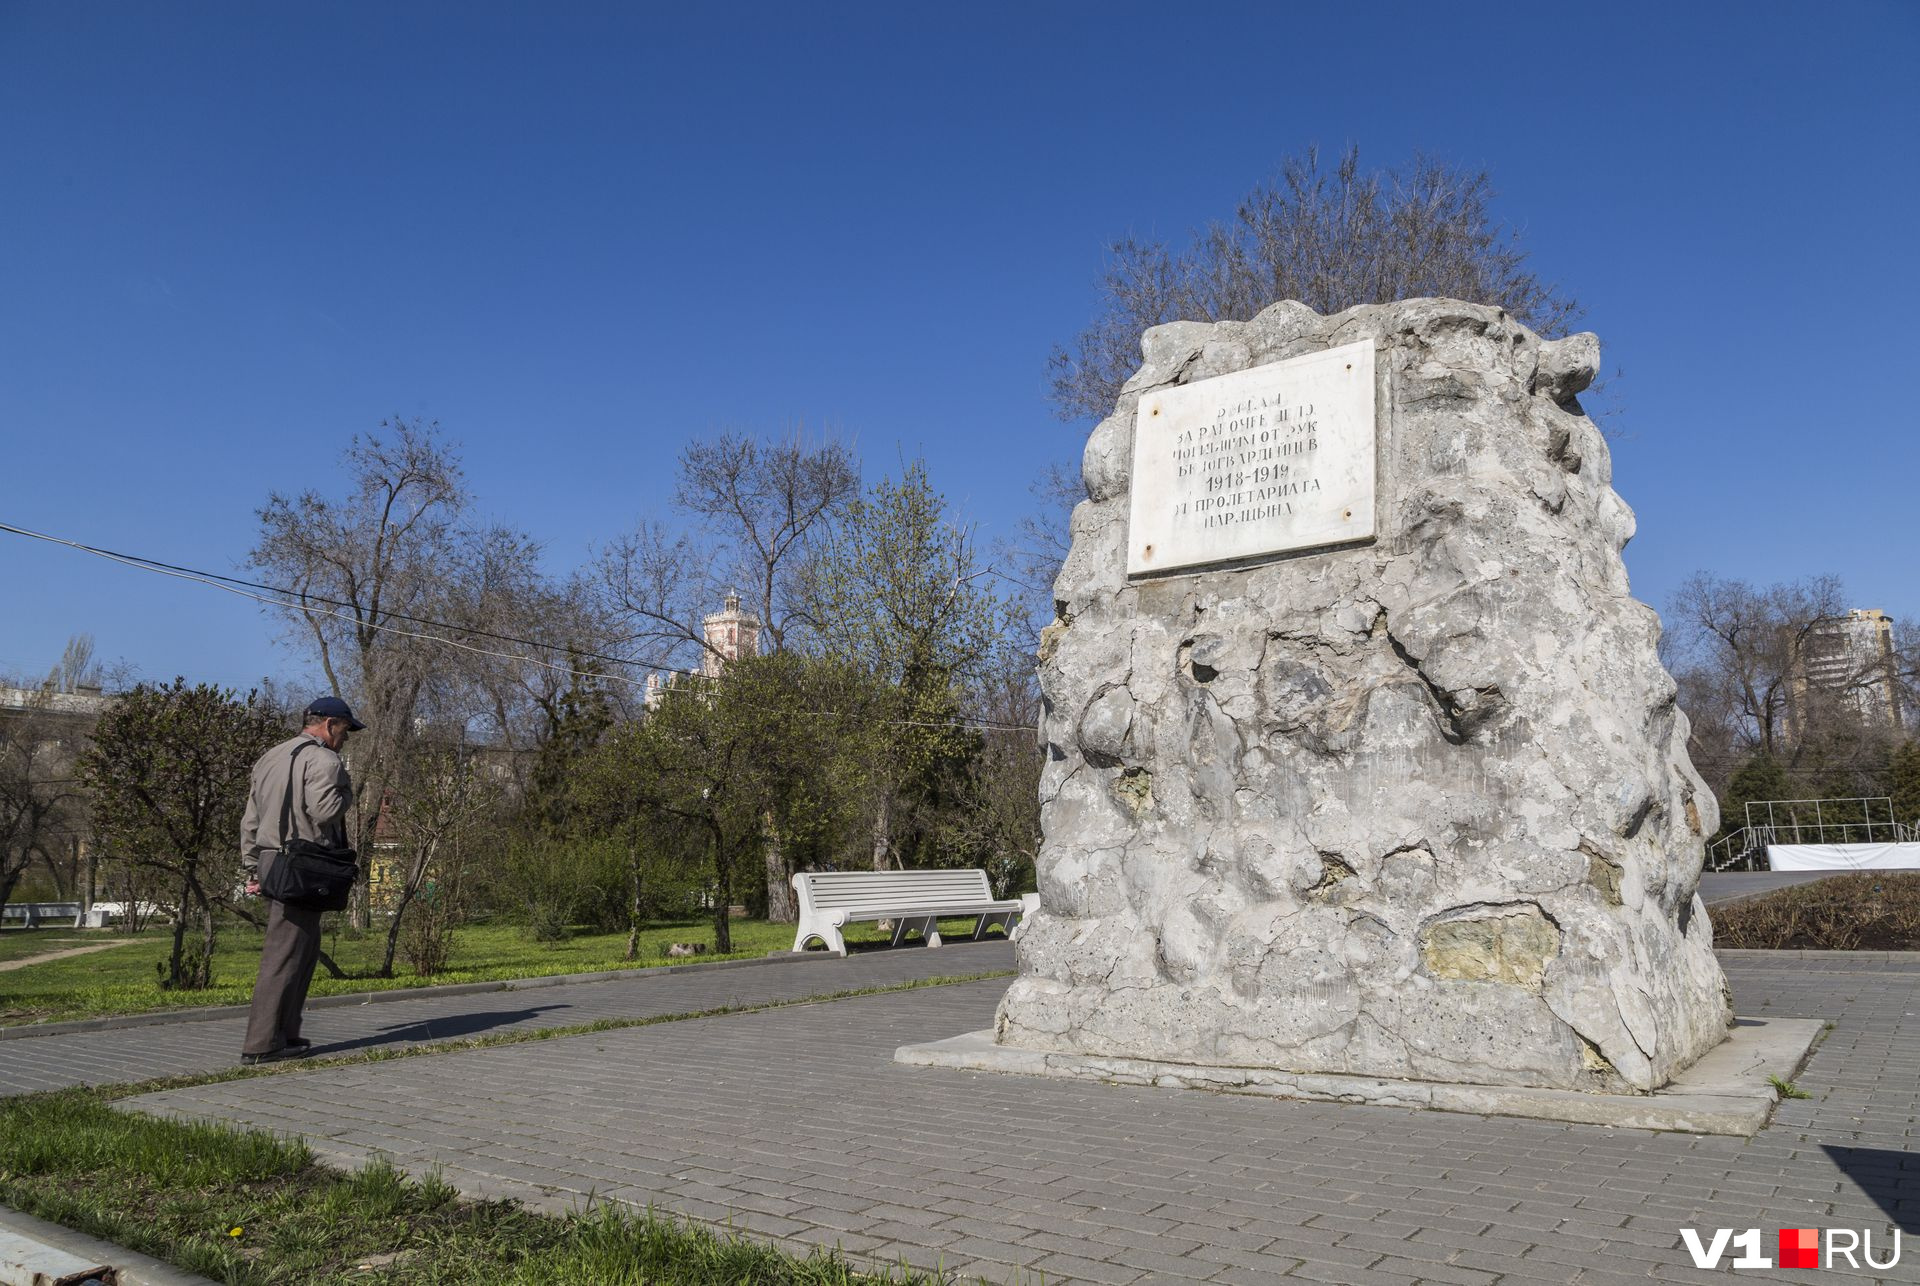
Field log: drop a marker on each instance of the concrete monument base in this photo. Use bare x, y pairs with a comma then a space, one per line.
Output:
1726, 1092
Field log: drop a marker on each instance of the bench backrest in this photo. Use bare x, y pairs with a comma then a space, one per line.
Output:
858, 890
25, 910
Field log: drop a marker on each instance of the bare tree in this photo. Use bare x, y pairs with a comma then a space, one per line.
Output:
41, 799
364, 571
654, 584
1776, 690
396, 595
1329, 240
1735, 646
767, 502
1906, 671
1030, 561
443, 797
77, 668
760, 505
509, 694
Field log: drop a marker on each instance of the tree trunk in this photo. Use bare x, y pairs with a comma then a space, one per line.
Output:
883, 833
723, 896
367, 832
393, 933
179, 938
203, 977
780, 907
62, 880
634, 905
360, 902
409, 890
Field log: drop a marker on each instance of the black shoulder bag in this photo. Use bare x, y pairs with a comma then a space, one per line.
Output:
306, 873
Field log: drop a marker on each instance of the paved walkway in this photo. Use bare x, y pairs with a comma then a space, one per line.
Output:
795, 1124
1730, 886
190, 1047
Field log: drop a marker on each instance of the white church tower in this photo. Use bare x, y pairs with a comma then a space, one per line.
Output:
731, 634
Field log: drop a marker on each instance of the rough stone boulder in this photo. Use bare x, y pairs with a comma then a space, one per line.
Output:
1418, 808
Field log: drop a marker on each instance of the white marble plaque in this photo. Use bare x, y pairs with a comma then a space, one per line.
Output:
1277, 458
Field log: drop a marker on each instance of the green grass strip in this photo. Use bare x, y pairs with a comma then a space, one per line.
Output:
246, 1207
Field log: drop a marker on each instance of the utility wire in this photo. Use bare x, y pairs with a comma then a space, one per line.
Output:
304, 601
232, 585
307, 596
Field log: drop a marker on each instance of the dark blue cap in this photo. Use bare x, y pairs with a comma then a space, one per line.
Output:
333, 708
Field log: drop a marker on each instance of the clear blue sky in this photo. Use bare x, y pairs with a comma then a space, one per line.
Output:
233, 235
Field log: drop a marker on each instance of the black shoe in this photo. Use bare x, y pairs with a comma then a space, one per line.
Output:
299, 1050
300, 1044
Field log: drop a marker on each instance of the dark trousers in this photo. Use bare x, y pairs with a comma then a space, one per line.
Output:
286, 967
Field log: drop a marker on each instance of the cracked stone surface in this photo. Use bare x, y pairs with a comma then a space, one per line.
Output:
1420, 808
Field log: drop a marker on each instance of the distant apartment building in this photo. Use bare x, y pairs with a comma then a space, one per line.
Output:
68, 717
82, 703
1847, 661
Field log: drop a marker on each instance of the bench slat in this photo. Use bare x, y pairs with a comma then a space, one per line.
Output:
831, 890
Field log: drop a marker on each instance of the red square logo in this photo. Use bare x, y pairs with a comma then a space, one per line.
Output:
1799, 1248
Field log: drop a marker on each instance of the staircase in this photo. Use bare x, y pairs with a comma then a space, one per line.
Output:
1744, 850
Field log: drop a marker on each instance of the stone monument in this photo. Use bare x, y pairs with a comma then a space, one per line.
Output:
1360, 757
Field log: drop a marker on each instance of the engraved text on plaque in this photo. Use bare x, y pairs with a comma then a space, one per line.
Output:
1277, 458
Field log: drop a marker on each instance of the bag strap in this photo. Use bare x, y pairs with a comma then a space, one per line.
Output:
286, 803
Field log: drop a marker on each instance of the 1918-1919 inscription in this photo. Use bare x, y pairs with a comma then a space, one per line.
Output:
1263, 461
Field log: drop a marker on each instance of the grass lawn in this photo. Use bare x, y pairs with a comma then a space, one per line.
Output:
252, 1209
17, 943
126, 980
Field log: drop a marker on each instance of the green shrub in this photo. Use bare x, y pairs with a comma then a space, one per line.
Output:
549, 921
1869, 911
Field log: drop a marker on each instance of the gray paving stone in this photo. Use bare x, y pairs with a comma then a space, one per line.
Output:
1237, 1276
1341, 1275
990, 1273
1069, 1268
1243, 1237
1158, 1261
190, 1047
999, 1253
801, 1113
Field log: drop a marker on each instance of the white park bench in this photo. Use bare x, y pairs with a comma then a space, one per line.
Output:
914, 900
31, 914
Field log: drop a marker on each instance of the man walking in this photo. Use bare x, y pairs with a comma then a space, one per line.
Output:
300, 788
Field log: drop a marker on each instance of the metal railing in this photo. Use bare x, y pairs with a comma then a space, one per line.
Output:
1808, 821
1867, 820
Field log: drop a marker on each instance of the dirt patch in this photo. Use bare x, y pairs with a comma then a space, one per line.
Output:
1864, 912
62, 955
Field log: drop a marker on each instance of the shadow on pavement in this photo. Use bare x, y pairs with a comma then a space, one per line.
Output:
1891, 1178
450, 1027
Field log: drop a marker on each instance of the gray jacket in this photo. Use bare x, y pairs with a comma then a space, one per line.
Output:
322, 794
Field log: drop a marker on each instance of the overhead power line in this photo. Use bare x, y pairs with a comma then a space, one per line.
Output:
301, 601
311, 604
305, 597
